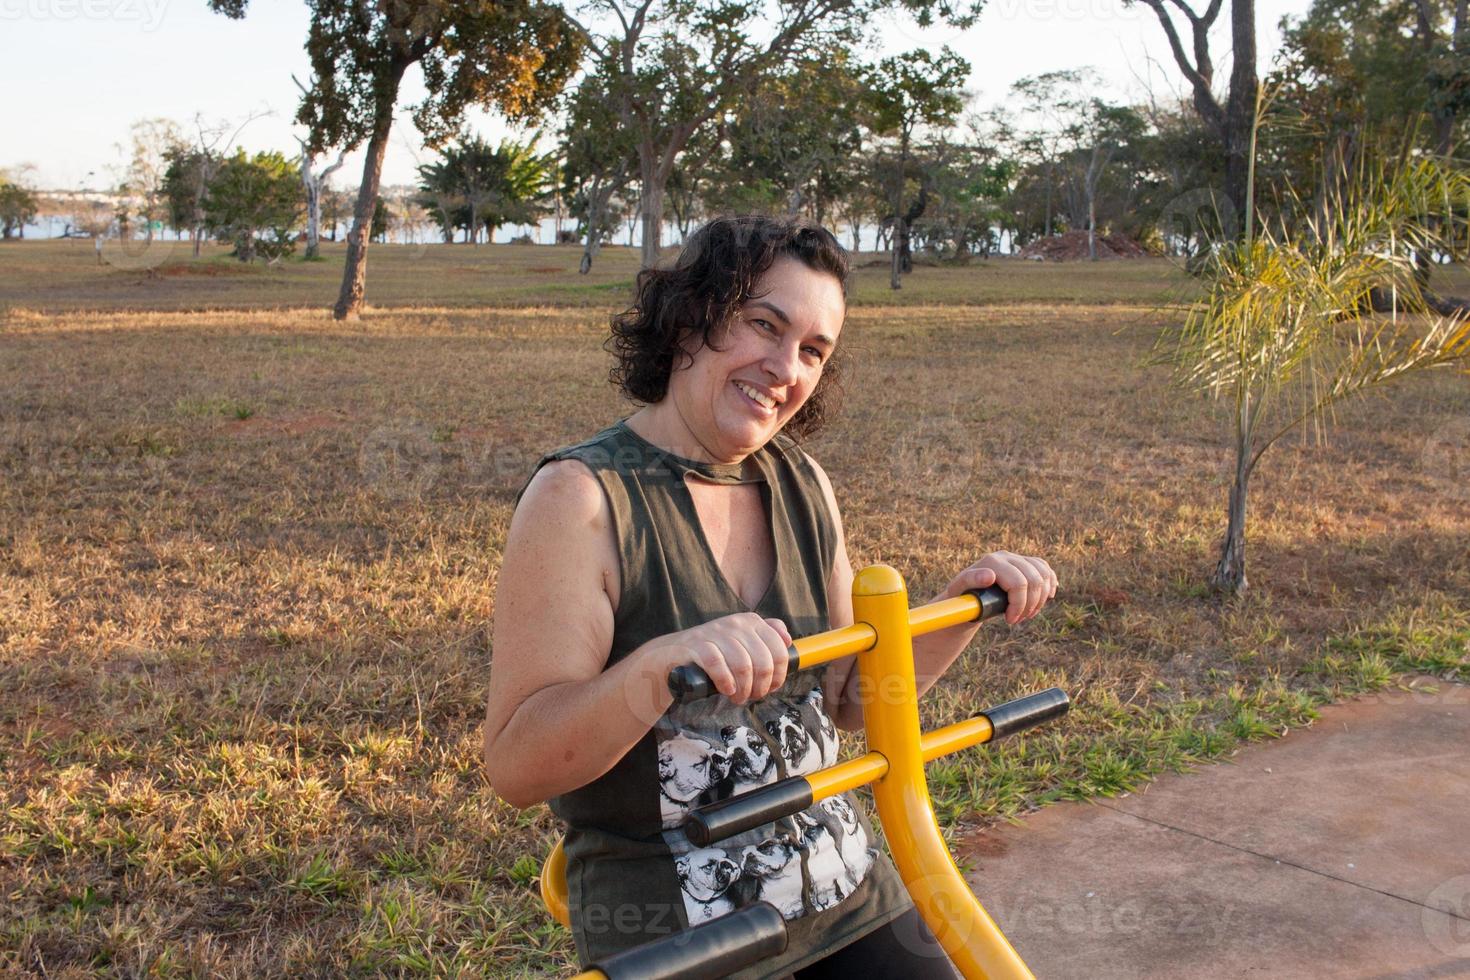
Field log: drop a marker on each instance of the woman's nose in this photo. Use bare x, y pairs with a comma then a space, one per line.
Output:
784, 363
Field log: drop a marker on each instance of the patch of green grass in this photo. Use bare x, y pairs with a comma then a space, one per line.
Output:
322, 879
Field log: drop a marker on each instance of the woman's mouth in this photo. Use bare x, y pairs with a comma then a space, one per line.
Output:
762, 403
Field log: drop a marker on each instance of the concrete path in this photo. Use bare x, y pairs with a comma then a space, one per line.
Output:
1342, 850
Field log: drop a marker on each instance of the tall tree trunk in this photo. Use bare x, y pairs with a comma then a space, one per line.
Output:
1229, 574
313, 210
1240, 108
354, 272
1050, 179
1091, 226
653, 177
895, 262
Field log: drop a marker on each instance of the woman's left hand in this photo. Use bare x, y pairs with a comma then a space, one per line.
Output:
1028, 582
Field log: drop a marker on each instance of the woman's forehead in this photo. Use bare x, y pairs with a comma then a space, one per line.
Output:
806, 298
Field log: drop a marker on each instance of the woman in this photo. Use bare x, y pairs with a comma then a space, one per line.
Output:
697, 531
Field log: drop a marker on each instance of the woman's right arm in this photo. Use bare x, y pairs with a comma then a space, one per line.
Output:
556, 720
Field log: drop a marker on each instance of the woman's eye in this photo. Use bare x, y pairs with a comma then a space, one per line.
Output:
765, 325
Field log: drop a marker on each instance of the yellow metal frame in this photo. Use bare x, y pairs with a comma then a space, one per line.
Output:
882, 639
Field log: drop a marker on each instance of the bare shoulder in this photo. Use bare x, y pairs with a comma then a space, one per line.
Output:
564, 512
563, 487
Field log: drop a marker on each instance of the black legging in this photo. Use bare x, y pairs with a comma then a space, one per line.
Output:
904, 949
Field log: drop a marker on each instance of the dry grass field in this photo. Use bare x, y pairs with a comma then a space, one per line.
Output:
55, 276
248, 560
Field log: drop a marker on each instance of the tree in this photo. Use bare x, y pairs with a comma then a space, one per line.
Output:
598, 158
189, 169
153, 145
1097, 133
185, 184
904, 94
1042, 128
968, 181
382, 221
18, 207
314, 184
513, 57
1233, 122
1287, 328
673, 65
793, 140
254, 203
474, 185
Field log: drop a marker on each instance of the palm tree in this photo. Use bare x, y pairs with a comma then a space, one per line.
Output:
474, 185
1293, 320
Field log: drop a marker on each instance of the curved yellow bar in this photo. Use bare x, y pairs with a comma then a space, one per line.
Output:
967, 933
554, 886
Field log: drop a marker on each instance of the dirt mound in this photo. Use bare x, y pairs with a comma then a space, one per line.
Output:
1072, 247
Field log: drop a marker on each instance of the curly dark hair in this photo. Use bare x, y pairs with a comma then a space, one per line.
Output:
716, 273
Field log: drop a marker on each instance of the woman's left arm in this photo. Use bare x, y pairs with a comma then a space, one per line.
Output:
1029, 583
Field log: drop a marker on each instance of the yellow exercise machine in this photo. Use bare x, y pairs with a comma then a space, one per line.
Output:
882, 638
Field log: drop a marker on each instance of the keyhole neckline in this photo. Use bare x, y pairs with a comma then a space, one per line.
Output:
727, 473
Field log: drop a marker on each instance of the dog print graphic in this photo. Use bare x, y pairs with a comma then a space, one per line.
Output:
828, 730
774, 865
803, 754
705, 876
689, 769
831, 879
752, 763
852, 843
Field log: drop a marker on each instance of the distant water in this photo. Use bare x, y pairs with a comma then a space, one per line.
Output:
542, 234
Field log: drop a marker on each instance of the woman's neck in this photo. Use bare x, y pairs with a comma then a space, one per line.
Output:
662, 425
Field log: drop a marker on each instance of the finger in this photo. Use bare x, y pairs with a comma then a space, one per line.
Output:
780, 627
741, 668
763, 665
777, 641
707, 655
1014, 581
1036, 586
981, 578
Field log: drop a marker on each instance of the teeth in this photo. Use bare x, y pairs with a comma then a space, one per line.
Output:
756, 396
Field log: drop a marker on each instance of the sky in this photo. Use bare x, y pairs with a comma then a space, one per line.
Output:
77, 73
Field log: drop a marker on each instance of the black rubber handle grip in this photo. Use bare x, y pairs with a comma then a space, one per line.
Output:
717, 821
1027, 712
992, 601
689, 682
713, 949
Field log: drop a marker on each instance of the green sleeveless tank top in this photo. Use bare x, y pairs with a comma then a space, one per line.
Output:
632, 875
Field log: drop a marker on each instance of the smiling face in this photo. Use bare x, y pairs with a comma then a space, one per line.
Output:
730, 402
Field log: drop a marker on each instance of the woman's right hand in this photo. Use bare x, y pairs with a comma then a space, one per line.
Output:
743, 654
